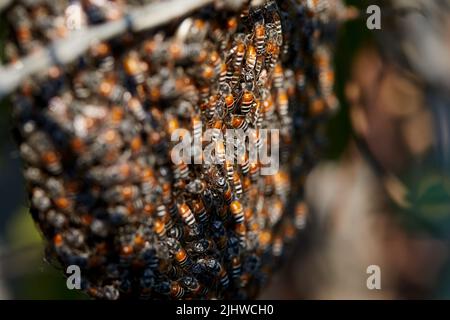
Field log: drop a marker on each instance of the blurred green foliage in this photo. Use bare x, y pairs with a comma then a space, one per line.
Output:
351, 37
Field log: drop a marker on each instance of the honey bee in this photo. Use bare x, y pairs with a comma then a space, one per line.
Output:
187, 215
248, 101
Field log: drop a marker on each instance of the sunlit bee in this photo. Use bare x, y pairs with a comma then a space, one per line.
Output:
250, 220
110, 90
276, 212
259, 65
268, 108
176, 290
278, 77
236, 267
254, 116
208, 73
102, 52
63, 203
244, 280
241, 232
182, 171
217, 126
246, 185
272, 50
228, 194
248, 101
260, 34
254, 171
175, 272
301, 212
255, 137
167, 193
278, 28
160, 228
239, 55
250, 61
221, 153
182, 258
237, 184
317, 106
326, 79
135, 106
277, 248
52, 162
200, 211
265, 239
244, 163
176, 232
148, 181
229, 102
239, 122
29, 154
186, 214
282, 103
40, 200
34, 175
317, 5
58, 240
229, 169
161, 211
300, 79
223, 73
281, 181
172, 125
211, 106
235, 78
134, 68
223, 277
237, 211
215, 61
129, 192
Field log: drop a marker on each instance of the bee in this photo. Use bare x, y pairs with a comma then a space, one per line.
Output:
187, 215
223, 277
228, 193
239, 122
254, 171
301, 212
52, 162
182, 258
241, 232
244, 163
260, 34
200, 211
134, 68
237, 184
239, 56
282, 103
248, 101
237, 211
176, 290
135, 106
250, 61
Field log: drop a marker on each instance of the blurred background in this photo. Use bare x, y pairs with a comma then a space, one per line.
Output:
381, 196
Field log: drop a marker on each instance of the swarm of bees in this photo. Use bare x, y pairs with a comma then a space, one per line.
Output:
95, 141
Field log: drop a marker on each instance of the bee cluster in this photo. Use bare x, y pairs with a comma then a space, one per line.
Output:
95, 141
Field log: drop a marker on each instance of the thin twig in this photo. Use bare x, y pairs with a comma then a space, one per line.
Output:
68, 49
